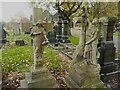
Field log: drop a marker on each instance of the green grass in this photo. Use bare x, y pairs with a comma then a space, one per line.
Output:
21, 58
23, 36
74, 40
17, 58
116, 34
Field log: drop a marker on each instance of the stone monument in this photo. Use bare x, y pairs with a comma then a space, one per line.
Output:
37, 14
84, 71
25, 24
3, 34
65, 38
51, 35
16, 28
107, 50
39, 76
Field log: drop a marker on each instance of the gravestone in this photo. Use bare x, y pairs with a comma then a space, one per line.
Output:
107, 50
39, 76
65, 38
25, 25
16, 28
0, 34
37, 14
3, 34
51, 35
59, 29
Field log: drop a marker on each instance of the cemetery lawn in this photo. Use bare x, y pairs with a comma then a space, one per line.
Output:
16, 60
116, 34
21, 58
74, 40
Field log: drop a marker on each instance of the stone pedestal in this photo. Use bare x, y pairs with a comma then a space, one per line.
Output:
82, 75
40, 78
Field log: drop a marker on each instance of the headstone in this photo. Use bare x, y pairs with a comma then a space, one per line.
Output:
0, 34
3, 34
107, 50
48, 26
46, 15
59, 29
16, 28
39, 76
25, 24
37, 14
65, 38
51, 35
8, 26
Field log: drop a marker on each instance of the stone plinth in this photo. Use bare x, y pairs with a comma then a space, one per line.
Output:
40, 78
82, 75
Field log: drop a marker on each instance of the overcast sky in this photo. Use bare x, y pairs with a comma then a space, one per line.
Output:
15, 9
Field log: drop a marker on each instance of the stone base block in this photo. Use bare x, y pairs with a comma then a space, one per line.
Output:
40, 78
82, 75
70, 83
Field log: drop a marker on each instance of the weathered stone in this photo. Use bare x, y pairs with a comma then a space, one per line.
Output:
25, 25
37, 14
40, 78
107, 51
16, 28
84, 77
59, 30
38, 72
70, 83
84, 69
3, 34
65, 38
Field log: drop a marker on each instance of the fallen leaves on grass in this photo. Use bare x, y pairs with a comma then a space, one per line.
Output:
11, 80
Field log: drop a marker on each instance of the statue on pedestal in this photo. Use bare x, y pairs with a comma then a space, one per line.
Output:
38, 39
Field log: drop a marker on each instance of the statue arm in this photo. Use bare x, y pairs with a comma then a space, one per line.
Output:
93, 39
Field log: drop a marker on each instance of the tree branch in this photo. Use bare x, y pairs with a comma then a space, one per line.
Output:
68, 5
75, 9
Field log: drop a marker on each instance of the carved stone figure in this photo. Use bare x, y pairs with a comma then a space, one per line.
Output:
91, 53
79, 53
38, 39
